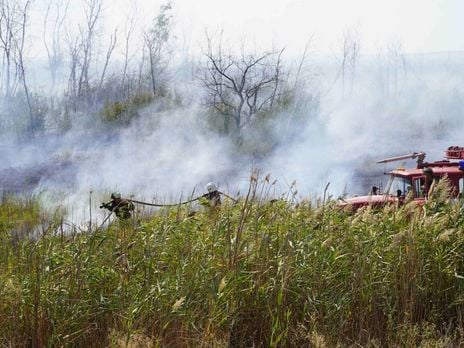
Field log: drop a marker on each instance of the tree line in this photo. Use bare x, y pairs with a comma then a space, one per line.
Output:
108, 75
111, 75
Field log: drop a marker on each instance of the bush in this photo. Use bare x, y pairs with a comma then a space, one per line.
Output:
122, 113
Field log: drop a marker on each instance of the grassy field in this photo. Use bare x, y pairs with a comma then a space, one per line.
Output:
257, 273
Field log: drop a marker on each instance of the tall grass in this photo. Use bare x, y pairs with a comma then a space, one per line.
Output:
260, 272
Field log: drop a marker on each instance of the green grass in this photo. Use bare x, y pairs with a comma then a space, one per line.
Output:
268, 273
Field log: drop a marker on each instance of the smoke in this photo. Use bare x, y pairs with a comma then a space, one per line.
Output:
163, 155
383, 110
333, 134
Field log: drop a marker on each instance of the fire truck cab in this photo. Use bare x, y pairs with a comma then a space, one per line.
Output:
416, 181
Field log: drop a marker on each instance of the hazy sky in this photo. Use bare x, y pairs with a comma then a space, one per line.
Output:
420, 25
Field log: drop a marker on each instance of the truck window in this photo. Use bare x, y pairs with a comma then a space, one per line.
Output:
398, 186
419, 187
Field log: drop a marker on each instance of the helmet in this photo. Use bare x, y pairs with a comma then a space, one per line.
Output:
428, 171
211, 187
115, 195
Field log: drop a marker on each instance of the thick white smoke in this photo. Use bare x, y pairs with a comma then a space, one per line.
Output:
165, 156
381, 113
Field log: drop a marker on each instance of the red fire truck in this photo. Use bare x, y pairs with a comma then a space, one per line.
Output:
416, 181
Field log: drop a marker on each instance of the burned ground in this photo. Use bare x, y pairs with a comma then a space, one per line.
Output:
27, 179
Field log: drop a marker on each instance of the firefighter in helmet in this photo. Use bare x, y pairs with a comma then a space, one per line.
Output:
122, 207
213, 196
429, 180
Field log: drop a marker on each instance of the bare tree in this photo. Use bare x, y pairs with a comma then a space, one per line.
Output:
87, 35
349, 58
157, 40
298, 95
81, 50
10, 19
109, 52
72, 91
395, 59
20, 57
141, 68
128, 31
13, 26
392, 66
240, 87
54, 18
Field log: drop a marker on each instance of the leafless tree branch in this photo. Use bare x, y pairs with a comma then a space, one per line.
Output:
240, 86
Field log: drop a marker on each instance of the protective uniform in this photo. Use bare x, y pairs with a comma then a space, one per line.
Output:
429, 180
120, 206
213, 196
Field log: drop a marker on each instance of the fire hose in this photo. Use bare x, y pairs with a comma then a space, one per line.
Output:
180, 203
162, 205
143, 203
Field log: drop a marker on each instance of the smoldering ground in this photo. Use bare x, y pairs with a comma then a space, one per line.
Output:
382, 110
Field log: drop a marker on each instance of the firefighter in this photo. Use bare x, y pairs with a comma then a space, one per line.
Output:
213, 196
429, 180
120, 206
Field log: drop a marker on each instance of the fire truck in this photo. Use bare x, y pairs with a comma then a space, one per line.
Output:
415, 181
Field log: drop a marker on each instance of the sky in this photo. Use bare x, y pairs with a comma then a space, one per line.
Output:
420, 25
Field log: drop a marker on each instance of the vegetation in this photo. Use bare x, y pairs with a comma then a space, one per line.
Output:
260, 272
109, 76
122, 113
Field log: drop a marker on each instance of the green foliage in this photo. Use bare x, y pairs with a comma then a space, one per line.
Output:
141, 100
120, 113
19, 216
16, 116
259, 272
117, 113
281, 123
